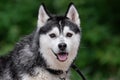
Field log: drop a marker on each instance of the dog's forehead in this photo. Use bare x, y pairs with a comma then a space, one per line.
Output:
60, 23
69, 26
66, 22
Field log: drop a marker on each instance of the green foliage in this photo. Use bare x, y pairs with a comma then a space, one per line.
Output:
99, 54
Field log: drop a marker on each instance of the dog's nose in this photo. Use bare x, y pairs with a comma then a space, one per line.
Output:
62, 46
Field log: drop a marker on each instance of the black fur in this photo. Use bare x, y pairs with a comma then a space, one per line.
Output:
18, 62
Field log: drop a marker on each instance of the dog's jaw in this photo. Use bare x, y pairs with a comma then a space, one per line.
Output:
54, 63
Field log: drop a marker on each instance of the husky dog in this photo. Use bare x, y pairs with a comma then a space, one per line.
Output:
48, 52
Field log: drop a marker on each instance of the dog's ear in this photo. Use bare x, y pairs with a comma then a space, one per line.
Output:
72, 14
42, 16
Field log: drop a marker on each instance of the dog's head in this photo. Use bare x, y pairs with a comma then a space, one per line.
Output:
59, 37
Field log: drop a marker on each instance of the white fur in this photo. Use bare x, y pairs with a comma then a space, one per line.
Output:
40, 75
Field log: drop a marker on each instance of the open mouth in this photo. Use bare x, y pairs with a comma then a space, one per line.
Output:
61, 56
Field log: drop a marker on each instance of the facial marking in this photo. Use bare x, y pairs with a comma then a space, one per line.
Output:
68, 32
60, 24
54, 33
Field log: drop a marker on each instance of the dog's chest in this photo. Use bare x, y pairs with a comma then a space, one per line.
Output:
41, 75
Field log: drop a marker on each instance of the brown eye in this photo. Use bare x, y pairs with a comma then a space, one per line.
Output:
69, 35
52, 35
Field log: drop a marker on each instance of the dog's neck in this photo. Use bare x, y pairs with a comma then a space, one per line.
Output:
62, 74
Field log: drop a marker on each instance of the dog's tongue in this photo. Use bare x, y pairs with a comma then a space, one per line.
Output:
62, 57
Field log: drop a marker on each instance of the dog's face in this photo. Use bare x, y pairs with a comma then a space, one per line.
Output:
59, 37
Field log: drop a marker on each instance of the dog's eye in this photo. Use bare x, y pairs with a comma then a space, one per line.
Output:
69, 34
52, 35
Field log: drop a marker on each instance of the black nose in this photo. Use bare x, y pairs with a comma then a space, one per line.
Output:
62, 46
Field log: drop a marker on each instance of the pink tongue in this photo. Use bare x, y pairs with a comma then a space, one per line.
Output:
62, 57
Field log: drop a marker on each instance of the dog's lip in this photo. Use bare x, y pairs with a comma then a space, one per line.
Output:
61, 56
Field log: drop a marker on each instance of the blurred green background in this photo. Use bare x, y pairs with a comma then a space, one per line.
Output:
99, 54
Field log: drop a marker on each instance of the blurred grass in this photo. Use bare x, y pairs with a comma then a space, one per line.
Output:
99, 54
